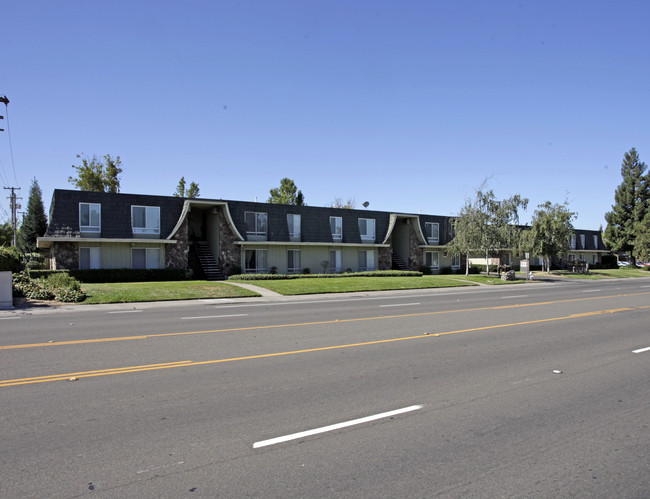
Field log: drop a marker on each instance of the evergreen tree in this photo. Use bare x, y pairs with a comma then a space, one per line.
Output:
6, 234
35, 222
97, 176
287, 193
182, 192
624, 222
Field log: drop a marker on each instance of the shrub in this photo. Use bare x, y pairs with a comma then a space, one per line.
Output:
131, 275
9, 259
608, 262
374, 273
425, 270
445, 270
234, 270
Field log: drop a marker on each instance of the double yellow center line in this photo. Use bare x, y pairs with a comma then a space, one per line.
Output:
188, 363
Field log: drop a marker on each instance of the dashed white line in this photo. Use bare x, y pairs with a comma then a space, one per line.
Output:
8, 318
514, 296
213, 316
399, 305
641, 350
591, 290
126, 312
333, 427
645, 286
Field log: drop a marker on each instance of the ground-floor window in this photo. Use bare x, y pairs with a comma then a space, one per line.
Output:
145, 258
582, 257
432, 259
366, 260
572, 257
89, 258
293, 261
594, 257
455, 262
335, 260
255, 261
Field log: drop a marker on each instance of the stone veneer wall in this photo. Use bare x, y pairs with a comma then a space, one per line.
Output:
176, 256
65, 256
416, 255
229, 253
385, 257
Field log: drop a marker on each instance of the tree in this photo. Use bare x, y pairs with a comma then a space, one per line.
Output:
6, 234
642, 246
95, 175
192, 192
338, 202
287, 193
631, 198
35, 222
486, 225
550, 233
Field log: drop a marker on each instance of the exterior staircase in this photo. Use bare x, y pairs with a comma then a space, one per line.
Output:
208, 263
398, 263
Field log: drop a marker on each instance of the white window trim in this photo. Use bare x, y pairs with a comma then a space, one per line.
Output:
146, 229
433, 267
573, 241
582, 241
90, 257
368, 238
432, 239
595, 242
294, 269
90, 228
368, 268
293, 235
257, 232
146, 257
336, 236
455, 266
336, 265
256, 270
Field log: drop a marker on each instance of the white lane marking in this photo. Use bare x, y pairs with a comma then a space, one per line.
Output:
515, 296
591, 290
333, 427
213, 316
8, 318
641, 350
399, 305
645, 286
126, 312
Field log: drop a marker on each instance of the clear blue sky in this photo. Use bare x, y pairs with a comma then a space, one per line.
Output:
408, 105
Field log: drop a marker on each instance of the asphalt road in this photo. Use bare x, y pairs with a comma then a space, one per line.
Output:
538, 390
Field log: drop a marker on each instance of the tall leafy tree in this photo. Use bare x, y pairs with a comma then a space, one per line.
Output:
6, 234
631, 198
550, 233
182, 192
98, 175
35, 222
286, 193
486, 225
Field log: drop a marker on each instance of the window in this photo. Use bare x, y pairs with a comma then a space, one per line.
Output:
366, 260
581, 257
367, 230
255, 261
455, 262
572, 257
293, 261
582, 241
145, 258
335, 261
145, 219
255, 225
432, 259
595, 242
433, 232
594, 257
89, 258
90, 217
336, 224
293, 222
573, 241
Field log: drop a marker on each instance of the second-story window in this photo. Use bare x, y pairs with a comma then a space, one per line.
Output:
336, 224
595, 243
433, 232
90, 217
145, 219
367, 230
573, 241
293, 222
255, 224
582, 241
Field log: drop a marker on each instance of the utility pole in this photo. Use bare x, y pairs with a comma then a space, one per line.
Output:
14, 208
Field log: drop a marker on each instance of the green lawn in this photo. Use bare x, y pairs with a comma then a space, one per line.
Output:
349, 284
126, 292
600, 273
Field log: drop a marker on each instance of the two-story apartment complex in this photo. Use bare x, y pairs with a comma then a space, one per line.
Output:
99, 230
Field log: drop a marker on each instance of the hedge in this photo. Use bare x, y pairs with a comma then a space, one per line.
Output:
376, 273
119, 275
9, 259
